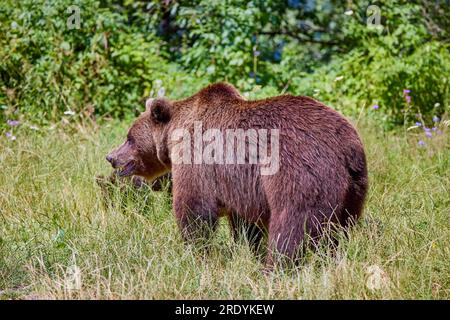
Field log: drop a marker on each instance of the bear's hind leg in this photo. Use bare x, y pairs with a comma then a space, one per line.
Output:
290, 232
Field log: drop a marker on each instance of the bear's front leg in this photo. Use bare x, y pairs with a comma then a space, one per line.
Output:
197, 216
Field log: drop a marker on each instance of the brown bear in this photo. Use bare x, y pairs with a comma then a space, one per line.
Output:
216, 144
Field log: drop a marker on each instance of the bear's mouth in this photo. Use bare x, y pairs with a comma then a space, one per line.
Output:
126, 170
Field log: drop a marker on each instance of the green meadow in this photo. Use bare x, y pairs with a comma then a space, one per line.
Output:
59, 240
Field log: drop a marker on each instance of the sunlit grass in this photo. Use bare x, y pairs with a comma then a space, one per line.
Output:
58, 240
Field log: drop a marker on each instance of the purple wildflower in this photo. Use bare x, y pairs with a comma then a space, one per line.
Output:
419, 124
436, 119
10, 136
13, 123
408, 99
375, 107
428, 134
434, 128
256, 53
405, 91
426, 129
421, 143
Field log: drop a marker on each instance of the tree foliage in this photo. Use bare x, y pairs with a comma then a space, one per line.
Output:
125, 49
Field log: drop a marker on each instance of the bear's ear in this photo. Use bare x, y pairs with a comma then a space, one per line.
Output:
159, 110
148, 104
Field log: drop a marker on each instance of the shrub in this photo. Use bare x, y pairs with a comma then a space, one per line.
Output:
106, 67
318, 48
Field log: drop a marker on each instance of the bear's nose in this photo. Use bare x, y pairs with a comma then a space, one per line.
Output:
110, 159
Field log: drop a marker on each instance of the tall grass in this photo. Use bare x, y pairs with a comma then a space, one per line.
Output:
58, 240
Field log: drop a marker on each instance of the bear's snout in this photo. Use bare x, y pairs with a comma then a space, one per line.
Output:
111, 160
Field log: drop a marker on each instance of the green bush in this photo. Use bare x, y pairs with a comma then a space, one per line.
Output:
404, 56
386, 80
380, 66
106, 67
125, 51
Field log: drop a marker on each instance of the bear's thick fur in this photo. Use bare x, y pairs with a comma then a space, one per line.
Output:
322, 175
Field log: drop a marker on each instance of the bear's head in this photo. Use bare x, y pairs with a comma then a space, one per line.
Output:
144, 152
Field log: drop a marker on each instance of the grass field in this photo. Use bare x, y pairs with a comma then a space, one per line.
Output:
58, 240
